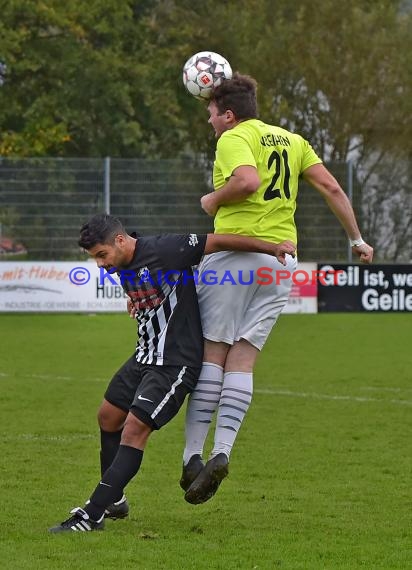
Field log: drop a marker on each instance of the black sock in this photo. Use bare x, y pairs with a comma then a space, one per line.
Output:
124, 467
109, 446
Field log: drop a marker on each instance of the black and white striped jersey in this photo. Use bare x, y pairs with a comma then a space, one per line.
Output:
161, 285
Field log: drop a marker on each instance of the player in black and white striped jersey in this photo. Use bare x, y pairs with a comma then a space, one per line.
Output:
149, 389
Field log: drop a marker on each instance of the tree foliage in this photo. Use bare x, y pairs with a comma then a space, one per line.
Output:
103, 77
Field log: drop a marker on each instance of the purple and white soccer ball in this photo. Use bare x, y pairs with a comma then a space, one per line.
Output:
203, 71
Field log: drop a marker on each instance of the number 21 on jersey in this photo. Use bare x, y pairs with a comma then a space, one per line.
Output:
275, 162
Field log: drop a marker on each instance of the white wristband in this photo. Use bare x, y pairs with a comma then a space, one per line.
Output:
356, 242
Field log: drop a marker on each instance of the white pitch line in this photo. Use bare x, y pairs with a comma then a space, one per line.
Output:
51, 438
289, 393
47, 376
52, 377
385, 389
315, 396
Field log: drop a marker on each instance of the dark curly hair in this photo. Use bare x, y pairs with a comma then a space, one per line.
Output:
101, 228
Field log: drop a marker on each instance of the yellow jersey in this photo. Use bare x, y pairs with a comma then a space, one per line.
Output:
280, 157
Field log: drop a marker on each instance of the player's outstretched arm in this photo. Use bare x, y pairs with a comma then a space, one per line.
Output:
231, 242
320, 178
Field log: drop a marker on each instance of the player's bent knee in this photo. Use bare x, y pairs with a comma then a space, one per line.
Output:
135, 432
110, 418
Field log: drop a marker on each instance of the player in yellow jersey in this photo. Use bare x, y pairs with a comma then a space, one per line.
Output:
255, 176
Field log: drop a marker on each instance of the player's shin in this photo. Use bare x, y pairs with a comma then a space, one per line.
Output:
109, 446
201, 406
124, 467
234, 402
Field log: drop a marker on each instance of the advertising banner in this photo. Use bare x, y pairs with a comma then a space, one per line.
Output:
304, 295
364, 288
69, 286
78, 286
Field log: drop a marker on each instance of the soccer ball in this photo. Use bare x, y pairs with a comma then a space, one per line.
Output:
203, 71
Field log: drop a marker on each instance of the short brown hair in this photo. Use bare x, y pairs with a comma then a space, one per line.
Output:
237, 95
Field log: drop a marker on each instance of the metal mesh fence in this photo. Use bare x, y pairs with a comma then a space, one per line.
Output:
43, 203
159, 196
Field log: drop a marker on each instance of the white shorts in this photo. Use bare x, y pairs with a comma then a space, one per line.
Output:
235, 309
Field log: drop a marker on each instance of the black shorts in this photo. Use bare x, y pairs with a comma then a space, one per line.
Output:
154, 394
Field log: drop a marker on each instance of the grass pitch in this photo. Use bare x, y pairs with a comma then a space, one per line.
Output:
320, 476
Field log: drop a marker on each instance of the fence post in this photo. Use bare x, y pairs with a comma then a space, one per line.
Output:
349, 182
107, 185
